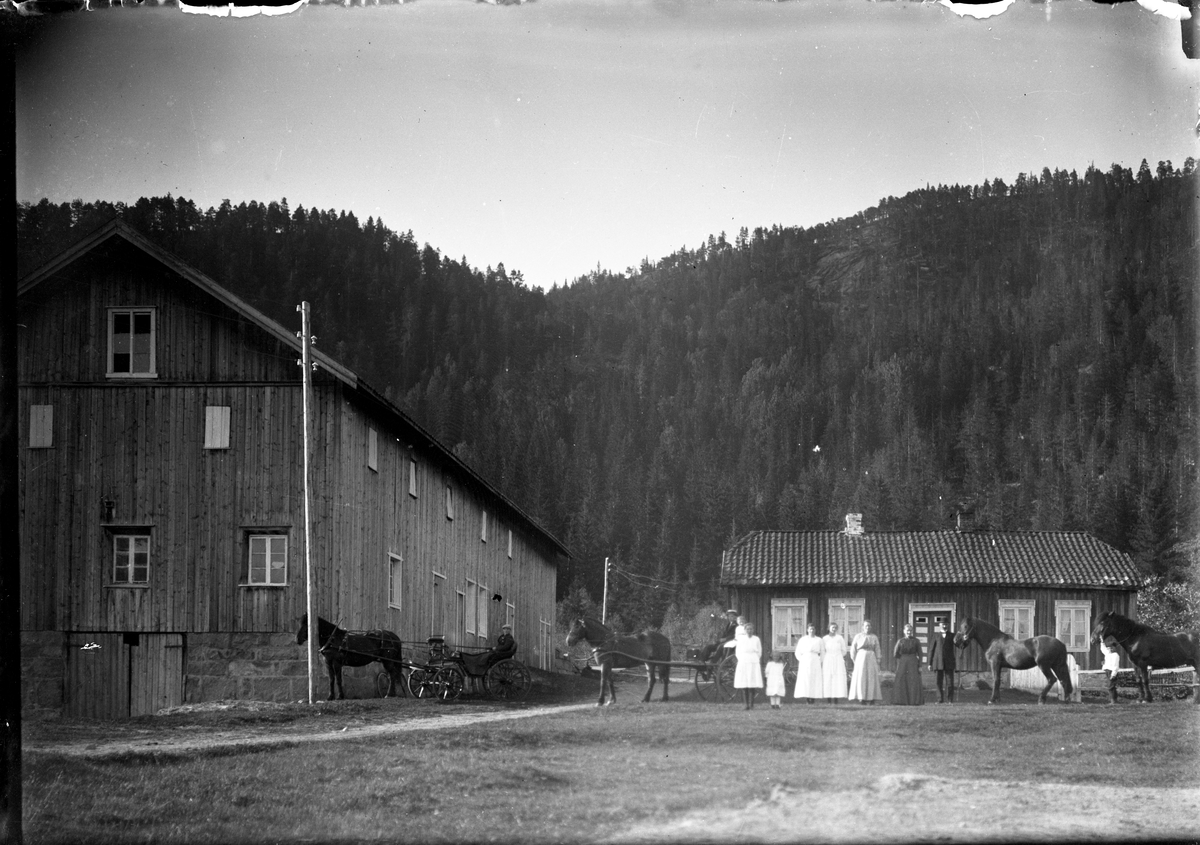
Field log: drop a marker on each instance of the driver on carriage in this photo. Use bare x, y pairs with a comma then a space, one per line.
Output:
504, 648
728, 633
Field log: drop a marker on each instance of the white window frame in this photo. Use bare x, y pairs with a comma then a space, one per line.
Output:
460, 613
372, 449
41, 426
784, 632
483, 527
472, 594
437, 609
125, 560
1085, 629
449, 502
412, 477
510, 614
510, 544
1019, 607
216, 426
152, 369
837, 608
543, 659
481, 608
271, 545
395, 581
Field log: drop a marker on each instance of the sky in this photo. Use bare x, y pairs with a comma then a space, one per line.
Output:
560, 136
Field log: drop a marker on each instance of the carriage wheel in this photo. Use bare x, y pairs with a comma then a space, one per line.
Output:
726, 669
508, 680
421, 683
448, 683
383, 683
706, 682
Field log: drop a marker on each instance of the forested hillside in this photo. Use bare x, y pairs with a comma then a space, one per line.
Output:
1027, 351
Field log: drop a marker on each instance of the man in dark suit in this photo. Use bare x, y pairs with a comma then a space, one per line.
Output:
505, 646
941, 660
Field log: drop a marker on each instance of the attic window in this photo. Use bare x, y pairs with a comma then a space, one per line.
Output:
131, 334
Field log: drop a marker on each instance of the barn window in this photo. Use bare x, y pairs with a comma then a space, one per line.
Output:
510, 615
395, 580
412, 477
131, 343
1016, 617
483, 527
481, 610
848, 615
471, 595
789, 617
372, 449
131, 559
437, 610
41, 426
268, 560
1073, 621
216, 427
449, 502
510, 544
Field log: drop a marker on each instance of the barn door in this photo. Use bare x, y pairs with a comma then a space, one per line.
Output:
155, 673
97, 676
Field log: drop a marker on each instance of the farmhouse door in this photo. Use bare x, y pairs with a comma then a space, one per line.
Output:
924, 624
155, 673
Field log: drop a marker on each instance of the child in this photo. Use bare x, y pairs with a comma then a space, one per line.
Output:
776, 685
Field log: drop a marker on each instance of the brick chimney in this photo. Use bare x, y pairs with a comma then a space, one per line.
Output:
854, 526
965, 521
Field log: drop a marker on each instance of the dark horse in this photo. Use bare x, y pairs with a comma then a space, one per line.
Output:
341, 648
1147, 649
622, 651
1002, 651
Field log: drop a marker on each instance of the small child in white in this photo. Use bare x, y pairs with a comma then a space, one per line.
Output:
776, 685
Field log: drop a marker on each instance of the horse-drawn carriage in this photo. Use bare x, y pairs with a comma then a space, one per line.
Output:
446, 675
442, 675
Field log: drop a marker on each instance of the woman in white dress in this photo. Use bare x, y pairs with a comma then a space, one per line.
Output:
748, 676
833, 665
809, 678
864, 683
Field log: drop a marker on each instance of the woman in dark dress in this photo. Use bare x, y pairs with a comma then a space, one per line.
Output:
908, 669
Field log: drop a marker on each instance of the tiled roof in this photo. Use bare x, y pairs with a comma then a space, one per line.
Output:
1051, 558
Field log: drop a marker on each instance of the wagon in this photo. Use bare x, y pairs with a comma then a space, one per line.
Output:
446, 675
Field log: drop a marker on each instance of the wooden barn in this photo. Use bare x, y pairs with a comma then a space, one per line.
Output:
162, 506
1028, 583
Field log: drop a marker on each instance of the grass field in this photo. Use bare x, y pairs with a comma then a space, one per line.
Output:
604, 774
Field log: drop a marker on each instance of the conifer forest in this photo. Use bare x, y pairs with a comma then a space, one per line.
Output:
1024, 351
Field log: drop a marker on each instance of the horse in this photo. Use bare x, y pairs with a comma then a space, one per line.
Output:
343, 648
1001, 651
622, 651
1147, 648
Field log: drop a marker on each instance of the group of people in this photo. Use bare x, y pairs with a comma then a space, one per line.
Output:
821, 666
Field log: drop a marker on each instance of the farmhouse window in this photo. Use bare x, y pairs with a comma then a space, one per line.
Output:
437, 610
41, 426
1016, 618
131, 343
395, 580
131, 559
789, 617
848, 615
268, 560
372, 449
510, 615
481, 607
216, 427
460, 611
1073, 621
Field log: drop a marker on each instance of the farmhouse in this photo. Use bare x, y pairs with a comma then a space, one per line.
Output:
1029, 583
162, 516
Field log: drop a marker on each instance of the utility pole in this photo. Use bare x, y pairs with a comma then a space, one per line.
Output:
307, 366
604, 600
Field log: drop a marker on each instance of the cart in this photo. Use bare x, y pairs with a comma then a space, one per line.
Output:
445, 676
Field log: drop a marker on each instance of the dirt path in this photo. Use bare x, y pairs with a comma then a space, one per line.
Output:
158, 743
920, 808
